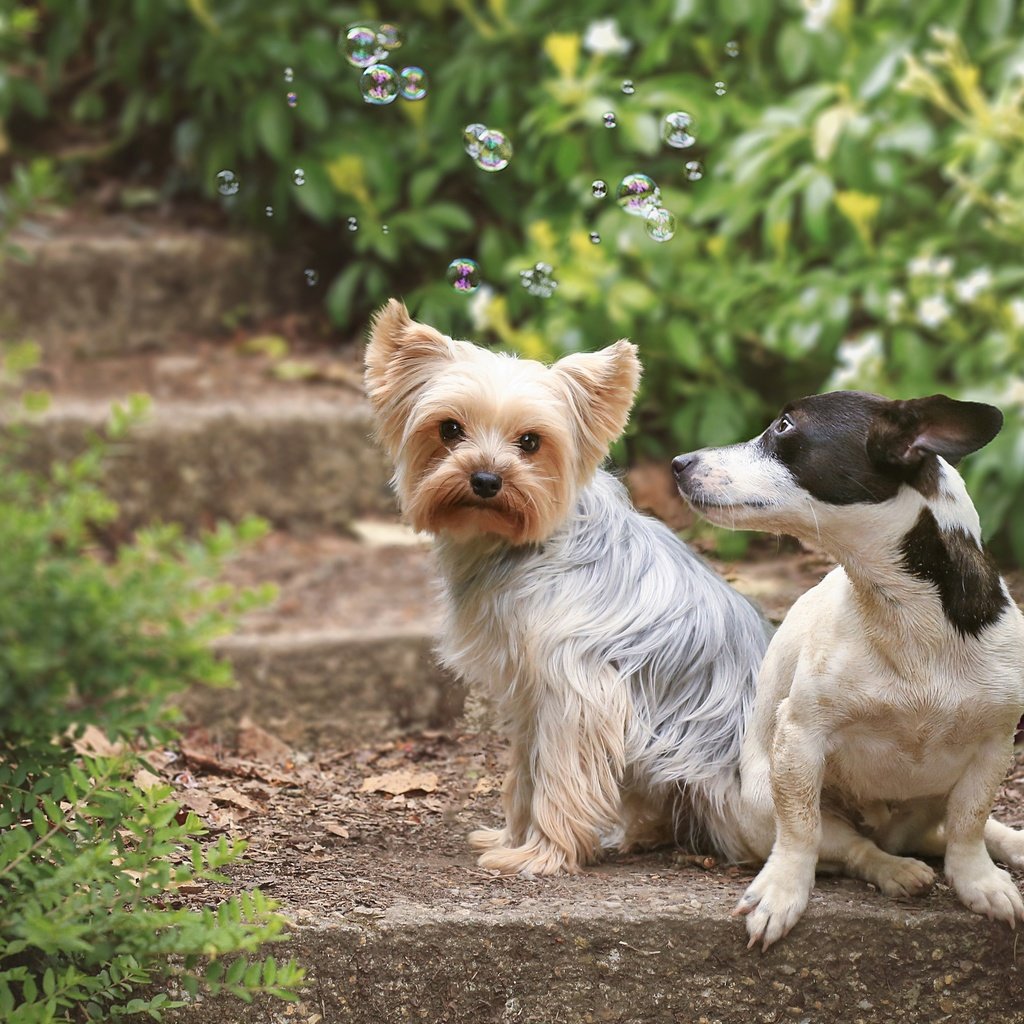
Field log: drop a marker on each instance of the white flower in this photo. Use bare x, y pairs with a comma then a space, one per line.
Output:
479, 305
970, 287
817, 14
1017, 313
604, 37
930, 266
859, 361
943, 267
933, 311
895, 302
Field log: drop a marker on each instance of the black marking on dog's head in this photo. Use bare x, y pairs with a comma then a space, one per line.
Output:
850, 447
961, 570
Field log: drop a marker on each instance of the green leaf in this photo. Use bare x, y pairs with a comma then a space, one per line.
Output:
273, 125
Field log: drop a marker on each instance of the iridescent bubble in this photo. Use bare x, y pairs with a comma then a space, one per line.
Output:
352, 224
539, 280
361, 47
720, 88
694, 170
660, 224
384, 229
268, 211
289, 75
609, 119
413, 81
599, 189
628, 88
495, 150
464, 274
637, 193
595, 238
676, 130
389, 37
471, 138
312, 277
227, 183
292, 98
299, 176
379, 84
732, 48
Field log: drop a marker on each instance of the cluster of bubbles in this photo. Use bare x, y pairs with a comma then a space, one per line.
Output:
464, 274
367, 48
639, 196
489, 148
539, 280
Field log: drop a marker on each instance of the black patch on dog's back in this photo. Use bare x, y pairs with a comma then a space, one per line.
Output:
960, 569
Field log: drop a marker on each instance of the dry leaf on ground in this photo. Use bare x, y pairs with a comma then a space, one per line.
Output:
402, 780
256, 744
230, 795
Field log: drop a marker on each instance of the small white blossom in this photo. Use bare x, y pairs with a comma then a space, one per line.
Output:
930, 266
1016, 308
943, 267
859, 361
967, 289
895, 303
933, 311
817, 14
604, 37
479, 306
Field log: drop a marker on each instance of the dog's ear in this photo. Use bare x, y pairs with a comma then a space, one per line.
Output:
600, 388
905, 433
400, 357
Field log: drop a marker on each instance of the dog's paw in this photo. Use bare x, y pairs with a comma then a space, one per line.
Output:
534, 858
487, 838
902, 876
1005, 845
775, 901
992, 892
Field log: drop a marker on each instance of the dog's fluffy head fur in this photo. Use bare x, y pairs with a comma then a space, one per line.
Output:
447, 410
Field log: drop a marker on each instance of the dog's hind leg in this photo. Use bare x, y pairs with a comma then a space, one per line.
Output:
856, 855
1005, 844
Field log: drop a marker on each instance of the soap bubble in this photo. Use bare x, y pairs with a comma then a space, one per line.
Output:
268, 211
361, 47
389, 37
660, 224
599, 189
352, 224
464, 274
637, 193
227, 183
299, 176
292, 98
732, 48
538, 281
720, 88
413, 83
676, 130
312, 277
384, 229
379, 84
289, 75
595, 238
495, 150
628, 88
471, 138
609, 120
694, 170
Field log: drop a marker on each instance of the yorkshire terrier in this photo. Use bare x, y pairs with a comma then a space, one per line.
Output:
622, 668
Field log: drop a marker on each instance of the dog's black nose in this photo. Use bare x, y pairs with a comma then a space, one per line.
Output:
682, 463
485, 485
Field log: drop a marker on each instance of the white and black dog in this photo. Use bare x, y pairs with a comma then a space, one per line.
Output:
886, 704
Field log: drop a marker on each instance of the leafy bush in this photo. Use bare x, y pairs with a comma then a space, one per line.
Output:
858, 221
93, 849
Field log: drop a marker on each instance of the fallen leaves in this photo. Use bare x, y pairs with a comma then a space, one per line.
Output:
400, 781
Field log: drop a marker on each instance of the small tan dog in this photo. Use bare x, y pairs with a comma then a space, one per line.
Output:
622, 667
888, 698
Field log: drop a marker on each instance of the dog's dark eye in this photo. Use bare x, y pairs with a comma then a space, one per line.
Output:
784, 424
529, 443
450, 430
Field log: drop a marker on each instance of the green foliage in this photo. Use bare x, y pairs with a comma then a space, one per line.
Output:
91, 855
856, 146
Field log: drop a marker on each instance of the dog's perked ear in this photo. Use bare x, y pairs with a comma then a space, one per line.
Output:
599, 387
906, 432
400, 357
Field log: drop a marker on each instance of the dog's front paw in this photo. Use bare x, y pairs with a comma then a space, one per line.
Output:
990, 891
902, 876
536, 857
775, 900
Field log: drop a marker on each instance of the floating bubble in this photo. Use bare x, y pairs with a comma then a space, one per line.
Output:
352, 224
628, 88
694, 170
227, 183
361, 47
732, 48
413, 81
676, 130
660, 224
379, 84
384, 229
464, 274
720, 88
389, 37
471, 138
268, 211
495, 150
312, 277
637, 193
599, 189
292, 98
289, 75
539, 280
299, 176
595, 238
609, 119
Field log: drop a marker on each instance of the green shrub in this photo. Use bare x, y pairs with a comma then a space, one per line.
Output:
853, 145
92, 853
